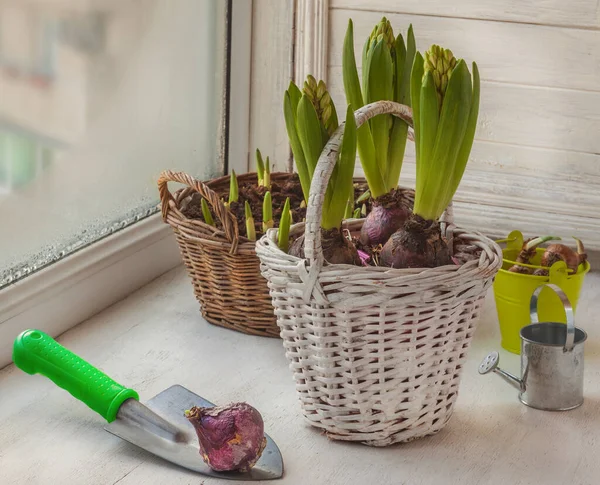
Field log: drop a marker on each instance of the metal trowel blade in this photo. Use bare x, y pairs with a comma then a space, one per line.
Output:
160, 427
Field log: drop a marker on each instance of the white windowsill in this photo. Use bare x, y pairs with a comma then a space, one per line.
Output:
77, 287
156, 338
67, 292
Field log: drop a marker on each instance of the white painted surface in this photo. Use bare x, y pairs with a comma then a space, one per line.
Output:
272, 71
506, 52
535, 162
156, 338
239, 93
576, 13
515, 197
312, 31
527, 115
62, 295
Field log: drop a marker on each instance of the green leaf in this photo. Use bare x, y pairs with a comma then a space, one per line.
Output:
364, 197
267, 174
260, 168
467, 143
365, 53
349, 207
416, 80
342, 186
368, 160
429, 117
408, 64
332, 124
379, 75
295, 95
208, 218
267, 212
399, 65
347, 158
451, 130
330, 191
283, 234
233, 188
397, 148
250, 229
349, 71
309, 132
398, 135
355, 96
289, 112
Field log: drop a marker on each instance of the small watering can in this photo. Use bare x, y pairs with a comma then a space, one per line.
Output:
551, 360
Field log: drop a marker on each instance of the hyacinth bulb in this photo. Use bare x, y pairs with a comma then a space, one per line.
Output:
561, 252
231, 437
381, 223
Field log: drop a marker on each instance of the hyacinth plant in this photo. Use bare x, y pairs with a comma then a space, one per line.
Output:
267, 213
283, 235
208, 218
264, 185
249, 199
234, 190
250, 228
386, 68
445, 103
527, 252
263, 170
311, 119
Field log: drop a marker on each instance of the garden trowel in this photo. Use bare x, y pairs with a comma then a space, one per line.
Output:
158, 426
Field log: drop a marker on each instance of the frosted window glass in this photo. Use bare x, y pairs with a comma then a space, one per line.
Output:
97, 97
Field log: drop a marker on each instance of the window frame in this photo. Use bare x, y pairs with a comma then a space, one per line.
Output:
70, 290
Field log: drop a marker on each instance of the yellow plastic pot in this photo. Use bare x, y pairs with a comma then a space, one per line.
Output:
512, 292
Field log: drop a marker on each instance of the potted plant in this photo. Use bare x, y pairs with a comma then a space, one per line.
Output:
377, 351
525, 267
216, 224
386, 66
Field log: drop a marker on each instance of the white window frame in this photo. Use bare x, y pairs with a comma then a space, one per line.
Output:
73, 289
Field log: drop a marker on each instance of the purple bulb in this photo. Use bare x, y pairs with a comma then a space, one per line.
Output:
231, 437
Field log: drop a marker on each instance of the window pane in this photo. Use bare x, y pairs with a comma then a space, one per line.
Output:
97, 97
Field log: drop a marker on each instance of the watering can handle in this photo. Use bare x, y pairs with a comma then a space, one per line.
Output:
533, 311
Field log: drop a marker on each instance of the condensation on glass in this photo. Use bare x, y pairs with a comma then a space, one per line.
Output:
97, 97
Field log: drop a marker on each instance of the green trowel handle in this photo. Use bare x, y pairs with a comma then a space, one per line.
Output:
35, 352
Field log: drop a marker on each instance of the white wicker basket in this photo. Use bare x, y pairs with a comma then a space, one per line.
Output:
376, 353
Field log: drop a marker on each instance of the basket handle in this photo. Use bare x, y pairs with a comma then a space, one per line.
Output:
327, 160
533, 312
228, 220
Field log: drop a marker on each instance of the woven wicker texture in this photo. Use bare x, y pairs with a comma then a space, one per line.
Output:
376, 353
222, 265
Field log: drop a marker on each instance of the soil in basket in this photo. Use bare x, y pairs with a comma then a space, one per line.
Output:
255, 196
462, 253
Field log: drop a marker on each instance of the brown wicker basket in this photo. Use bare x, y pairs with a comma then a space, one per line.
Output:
222, 264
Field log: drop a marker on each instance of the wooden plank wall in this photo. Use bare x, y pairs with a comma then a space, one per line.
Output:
272, 71
535, 165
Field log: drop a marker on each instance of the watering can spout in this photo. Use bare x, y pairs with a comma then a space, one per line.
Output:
490, 364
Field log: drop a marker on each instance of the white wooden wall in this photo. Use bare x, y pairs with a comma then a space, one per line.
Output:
271, 73
535, 165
